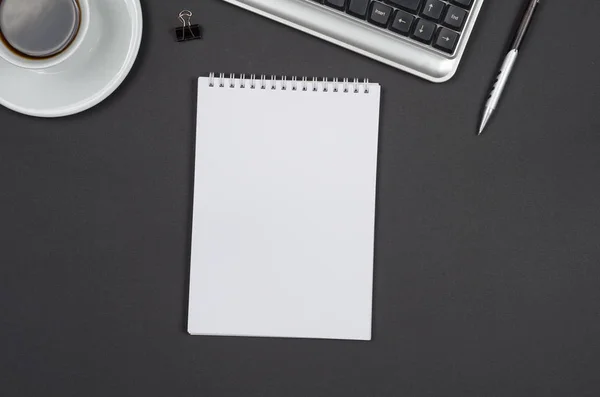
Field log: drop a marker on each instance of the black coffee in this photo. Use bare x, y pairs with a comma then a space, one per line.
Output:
39, 29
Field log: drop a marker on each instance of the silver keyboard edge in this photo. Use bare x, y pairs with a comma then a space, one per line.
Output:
376, 43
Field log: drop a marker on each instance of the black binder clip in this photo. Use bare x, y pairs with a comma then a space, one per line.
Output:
187, 31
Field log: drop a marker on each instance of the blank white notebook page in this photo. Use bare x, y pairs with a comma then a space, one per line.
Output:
284, 209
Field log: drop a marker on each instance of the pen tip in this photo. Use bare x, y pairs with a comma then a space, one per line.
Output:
484, 120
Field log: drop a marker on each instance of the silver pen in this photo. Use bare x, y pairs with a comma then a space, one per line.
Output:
507, 66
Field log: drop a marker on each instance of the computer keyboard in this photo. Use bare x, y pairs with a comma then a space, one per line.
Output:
434, 22
423, 37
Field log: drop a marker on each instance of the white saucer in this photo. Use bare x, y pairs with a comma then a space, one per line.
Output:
85, 79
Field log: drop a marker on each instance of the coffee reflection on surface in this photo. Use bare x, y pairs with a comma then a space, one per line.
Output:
39, 29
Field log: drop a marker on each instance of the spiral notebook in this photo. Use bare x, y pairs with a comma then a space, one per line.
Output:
284, 207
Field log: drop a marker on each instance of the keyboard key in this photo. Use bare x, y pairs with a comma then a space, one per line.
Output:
402, 22
380, 14
455, 18
339, 4
463, 3
433, 9
446, 40
359, 8
424, 31
408, 5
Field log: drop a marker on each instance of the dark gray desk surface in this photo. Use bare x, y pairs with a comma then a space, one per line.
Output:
487, 275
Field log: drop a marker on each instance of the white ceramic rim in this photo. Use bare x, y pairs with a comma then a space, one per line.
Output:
72, 47
134, 47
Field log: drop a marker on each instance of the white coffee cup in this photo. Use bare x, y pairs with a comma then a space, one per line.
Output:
86, 27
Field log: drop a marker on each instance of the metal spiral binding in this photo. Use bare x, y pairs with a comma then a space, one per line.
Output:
294, 83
